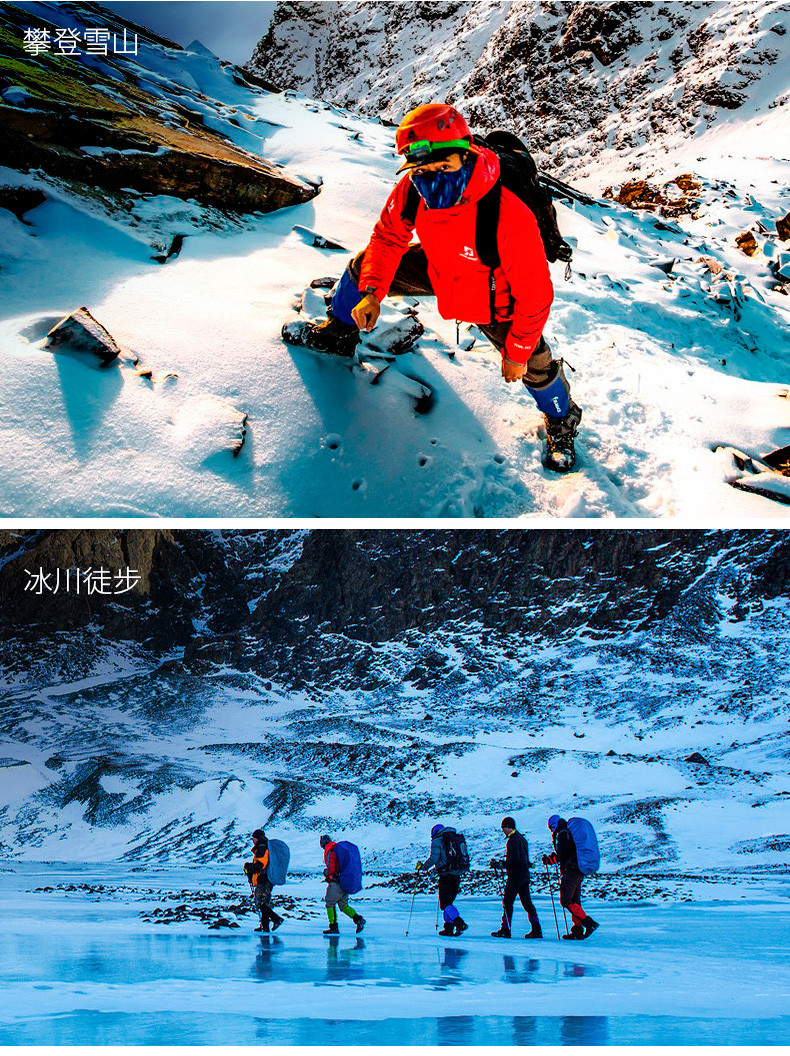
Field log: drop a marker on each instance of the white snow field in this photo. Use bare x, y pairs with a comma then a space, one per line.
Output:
671, 361
82, 967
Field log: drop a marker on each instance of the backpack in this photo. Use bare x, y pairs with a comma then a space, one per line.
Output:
279, 857
349, 866
587, 853
519, 174
456, 856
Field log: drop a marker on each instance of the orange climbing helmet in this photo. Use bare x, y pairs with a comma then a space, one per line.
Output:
431, 132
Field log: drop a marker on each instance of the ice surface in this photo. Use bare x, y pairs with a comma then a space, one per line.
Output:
85, 969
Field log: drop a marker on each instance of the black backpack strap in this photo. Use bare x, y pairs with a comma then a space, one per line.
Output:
486, 227
409, 213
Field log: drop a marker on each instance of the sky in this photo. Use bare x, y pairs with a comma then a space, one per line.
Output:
230, 28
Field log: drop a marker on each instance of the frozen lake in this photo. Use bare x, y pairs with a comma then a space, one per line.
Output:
83, 968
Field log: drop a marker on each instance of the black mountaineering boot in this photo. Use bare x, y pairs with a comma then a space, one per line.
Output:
460, 926
448, 929
359, 921
560, 456
536, 933
561, 417
576, 932
276, 921
589, 927
333, 929
503, 933
330, 336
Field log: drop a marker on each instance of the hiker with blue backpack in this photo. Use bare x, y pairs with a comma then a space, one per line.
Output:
343, 875
449, 857
576, 853
262, 873
516, 865
486, 227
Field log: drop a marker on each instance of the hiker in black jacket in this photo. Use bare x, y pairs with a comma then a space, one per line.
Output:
571, 877
256, 873
516, 864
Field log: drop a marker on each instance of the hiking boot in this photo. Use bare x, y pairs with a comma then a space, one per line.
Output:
330, 336
577, 932
448, 929
333, 929
460, 926
560, 455
503, 933
589, 927
536, 933
276, 921
360, 922
263, 927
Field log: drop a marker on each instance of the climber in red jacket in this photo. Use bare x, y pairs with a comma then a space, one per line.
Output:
510, 304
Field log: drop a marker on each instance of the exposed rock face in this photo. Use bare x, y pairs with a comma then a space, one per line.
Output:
339, 592
573, 77
157, 610
97, 128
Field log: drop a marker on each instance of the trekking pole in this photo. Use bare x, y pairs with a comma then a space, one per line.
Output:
436, 925
548, 879
564, 917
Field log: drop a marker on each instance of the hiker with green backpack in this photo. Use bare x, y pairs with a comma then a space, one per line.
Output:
449, 857
485, 226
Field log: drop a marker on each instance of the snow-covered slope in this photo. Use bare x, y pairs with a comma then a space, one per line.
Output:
678, 340
644, 687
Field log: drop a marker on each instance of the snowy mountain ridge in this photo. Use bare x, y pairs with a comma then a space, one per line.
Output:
590, 85
648, 721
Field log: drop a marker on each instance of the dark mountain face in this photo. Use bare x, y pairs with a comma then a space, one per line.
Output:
264, 591
374, 679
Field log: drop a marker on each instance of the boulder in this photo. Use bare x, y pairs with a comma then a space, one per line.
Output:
746, 243
783, 228
82, 333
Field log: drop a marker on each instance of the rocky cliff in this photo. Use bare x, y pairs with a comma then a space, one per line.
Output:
575, 78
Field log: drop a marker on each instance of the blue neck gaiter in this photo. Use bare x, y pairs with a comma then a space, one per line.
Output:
441, 190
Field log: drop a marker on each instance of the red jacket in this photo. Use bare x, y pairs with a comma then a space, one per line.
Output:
331, 864
461, 282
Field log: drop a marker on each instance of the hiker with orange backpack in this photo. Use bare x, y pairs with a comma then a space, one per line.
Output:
451, 184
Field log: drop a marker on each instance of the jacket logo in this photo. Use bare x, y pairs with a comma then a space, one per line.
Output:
468, 253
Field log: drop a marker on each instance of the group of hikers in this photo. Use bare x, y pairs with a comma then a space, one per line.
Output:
487, 229
573, 842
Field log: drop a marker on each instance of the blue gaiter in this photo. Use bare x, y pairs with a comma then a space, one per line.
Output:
440, 190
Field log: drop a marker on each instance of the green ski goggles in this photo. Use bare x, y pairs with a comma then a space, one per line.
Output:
423, 148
